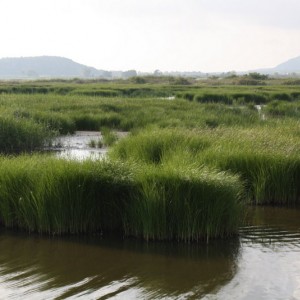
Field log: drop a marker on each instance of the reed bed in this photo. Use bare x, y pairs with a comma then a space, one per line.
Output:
44, 194
155, 146
283, 109
184, 173
184, 203
266, 159
108, 137
48, 195
68, 113
21, 135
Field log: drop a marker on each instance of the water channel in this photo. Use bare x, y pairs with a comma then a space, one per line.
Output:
263, 262
78, 146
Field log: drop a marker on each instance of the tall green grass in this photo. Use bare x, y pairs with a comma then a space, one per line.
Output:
266, 159
22, 135
182, 174
68, 113
55, 121
155, 145
283, 109
267, 179
43, 194
184, 203
108, 137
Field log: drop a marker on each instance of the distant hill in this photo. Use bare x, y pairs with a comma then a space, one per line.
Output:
290, 66
47, 67
61, 67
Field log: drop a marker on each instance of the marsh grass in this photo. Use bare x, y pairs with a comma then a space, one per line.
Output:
21, 135
43, 194
184, 173
48, 195
68, 113
184, 203
155, 145
283, 109
96, 143
265, 159
55, 121
92, 143
108, 137
268, 179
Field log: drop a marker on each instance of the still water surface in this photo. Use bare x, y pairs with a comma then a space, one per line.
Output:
262, 263
77, 146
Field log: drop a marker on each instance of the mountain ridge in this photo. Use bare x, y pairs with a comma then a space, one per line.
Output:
291, 65
48, 67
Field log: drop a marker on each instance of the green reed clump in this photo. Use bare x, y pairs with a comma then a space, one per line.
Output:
257, 98
178, 198
91, 121
91, 113
96, 92
292, 82
283, 109
224, 115
151, 146
22, 135
96, 143
48, 195
108, 137
43, 194
249, 81
86, 122
55, 121
177, 202
186, 95
295, 95
282, 96
90, 198
266, 158
213, 98
268, 179
92, 143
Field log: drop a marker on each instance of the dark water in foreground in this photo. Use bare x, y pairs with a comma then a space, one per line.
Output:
263, 263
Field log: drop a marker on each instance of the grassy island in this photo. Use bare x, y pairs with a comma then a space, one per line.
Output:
197, 153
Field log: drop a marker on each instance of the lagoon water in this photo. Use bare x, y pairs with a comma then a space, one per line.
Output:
262, 263
77, 146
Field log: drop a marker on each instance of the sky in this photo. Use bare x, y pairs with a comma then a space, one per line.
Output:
145, 35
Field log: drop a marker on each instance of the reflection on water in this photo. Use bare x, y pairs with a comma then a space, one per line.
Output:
269, 259
263, 263
51, 267
78, 146
80, 154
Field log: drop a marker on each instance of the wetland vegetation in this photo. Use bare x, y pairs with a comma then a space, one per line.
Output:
197, 154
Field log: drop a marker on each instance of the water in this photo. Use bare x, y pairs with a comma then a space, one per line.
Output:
77, 146
262, 263
259, 107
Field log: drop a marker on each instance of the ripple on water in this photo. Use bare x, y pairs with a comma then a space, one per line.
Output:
270, 237
263, 263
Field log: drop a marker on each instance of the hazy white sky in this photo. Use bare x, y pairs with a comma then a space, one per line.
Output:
184, 35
